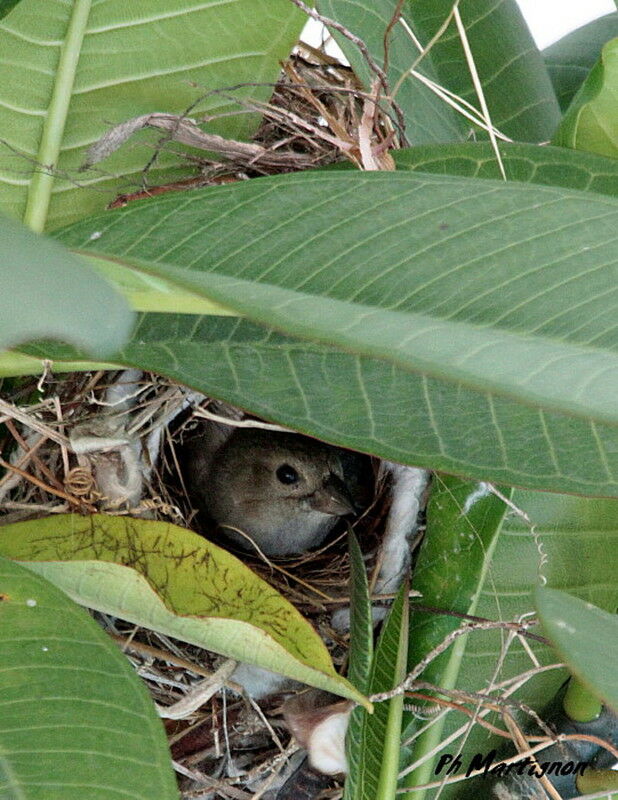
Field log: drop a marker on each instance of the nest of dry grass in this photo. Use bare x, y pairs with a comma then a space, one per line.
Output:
45, 476
317, 115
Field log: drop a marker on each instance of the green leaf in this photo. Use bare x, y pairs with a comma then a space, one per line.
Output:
591, 122
76, 720
469, 299
570, 59
69, 73
550, 166
361, 621
374, 739
49, 292
6, 6
13, 363
586, 637
564, 527
389, 769
428, 118
171, 580
519, 94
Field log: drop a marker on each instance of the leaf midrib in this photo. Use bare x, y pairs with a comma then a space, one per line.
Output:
41, 184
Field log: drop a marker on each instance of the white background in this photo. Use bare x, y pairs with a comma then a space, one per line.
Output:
548, 20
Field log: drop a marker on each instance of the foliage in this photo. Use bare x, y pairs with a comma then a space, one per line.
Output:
579, 631
68, 695
49, 292
436, 315
169, 579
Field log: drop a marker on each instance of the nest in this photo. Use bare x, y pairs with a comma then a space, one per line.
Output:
49, 470
318, 115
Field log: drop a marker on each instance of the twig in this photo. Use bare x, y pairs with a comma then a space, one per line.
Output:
388, 31
30, 454
50, 489
408, 683
519, 740
239, 423
13, 412
478, 87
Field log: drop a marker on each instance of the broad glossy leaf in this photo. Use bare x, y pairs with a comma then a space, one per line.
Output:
517, 88
76, 720
570, 59
510, 377
169, 579
428, 118
550, 166
586, 637
574, 544
591, 122
455, 559
49, 292
70, 70
361, 658
372, 739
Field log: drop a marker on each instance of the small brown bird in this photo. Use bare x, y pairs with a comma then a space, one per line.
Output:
283, 490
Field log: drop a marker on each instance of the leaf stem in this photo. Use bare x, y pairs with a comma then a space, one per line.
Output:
42, 180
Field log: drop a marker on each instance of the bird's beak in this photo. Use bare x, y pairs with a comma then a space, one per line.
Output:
333, 498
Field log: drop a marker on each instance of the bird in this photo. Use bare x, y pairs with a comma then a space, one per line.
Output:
279, 492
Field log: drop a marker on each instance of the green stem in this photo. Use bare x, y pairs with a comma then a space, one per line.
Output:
579, 703
42, 180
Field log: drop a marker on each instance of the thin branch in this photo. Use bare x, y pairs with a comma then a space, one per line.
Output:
409, 681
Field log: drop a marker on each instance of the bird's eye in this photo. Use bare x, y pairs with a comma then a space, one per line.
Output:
287, 474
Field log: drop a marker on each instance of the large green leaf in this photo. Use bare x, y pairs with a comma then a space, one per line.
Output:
515, 83
591, 122
49, 292
427, 117
573, 543
550, 166
519, 94
454, 563
478, 315
70, 70
586, 638
570, 59
169, 579
76, 720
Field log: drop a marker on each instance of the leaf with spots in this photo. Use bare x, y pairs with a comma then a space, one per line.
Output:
173, 581
585, 636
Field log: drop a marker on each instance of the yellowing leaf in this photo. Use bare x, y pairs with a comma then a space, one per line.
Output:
171, 580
